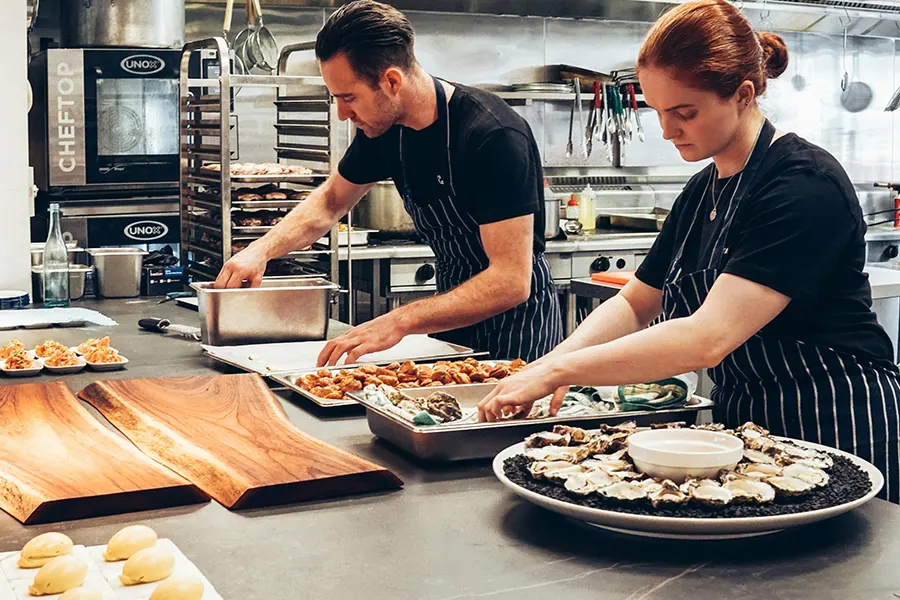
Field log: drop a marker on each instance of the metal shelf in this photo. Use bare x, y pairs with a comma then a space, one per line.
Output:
259, 81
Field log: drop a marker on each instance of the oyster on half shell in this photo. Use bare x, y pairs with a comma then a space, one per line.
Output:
746, 489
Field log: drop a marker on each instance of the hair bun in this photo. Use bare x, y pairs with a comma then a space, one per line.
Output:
775, 54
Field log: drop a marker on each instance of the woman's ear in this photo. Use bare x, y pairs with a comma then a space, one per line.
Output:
745, 95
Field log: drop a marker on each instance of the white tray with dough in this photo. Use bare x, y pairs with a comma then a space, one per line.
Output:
142, 591
12, 572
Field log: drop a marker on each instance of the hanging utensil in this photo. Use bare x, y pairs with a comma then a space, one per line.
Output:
634, 111
238, 64
263, 46
589, 130
597, 129
845, 79
579, 108
604, 131
626, 114
570, 145
241, 39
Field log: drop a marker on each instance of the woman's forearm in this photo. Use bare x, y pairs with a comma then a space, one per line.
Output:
611, 320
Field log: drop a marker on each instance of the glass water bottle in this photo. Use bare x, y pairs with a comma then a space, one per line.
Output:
56, 264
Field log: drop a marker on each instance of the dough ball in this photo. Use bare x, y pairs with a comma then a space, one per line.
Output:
183, 587
146, 566
82, 593
59, 575
128, 541
39, 550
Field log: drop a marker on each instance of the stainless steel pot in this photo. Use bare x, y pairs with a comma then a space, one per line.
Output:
118, 271
552, 211
140, 23
382, 209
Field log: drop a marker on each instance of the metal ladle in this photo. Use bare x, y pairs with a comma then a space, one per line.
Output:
845, 79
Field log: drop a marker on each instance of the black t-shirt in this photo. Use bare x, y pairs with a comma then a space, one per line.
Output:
800, 231
494, 158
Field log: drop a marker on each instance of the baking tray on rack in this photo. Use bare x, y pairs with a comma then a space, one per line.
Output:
290, 357
304, 178
473, 441
288, 380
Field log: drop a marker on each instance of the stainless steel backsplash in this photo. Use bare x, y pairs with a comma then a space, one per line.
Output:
484, 49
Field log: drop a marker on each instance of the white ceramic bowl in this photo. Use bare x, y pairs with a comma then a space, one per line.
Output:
677, 454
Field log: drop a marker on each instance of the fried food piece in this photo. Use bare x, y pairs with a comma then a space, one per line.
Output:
371, 380
442, 364
478, 377
389, 380
382, 371
424, 372
324, 373
349, 384
491, 380
499, 372
394, 366
408, 378
461, 378
369, 369
517, 364
408, 368
442, 376
332, 393
318, 392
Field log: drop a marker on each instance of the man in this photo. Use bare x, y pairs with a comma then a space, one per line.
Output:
469, 172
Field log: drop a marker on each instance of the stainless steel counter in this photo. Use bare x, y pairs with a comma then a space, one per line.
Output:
454, 532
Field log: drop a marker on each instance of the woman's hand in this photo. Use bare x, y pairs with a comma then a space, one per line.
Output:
518, 393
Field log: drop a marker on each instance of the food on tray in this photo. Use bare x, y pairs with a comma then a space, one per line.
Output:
276, 196
259, 169
19, 360
61, 574
583, 400
249, 222
11, 347
181, 587
593, 468
146, 566
301, 195
91, 343
128, 541
62, 358
332, 385
48, 348
251, 197
103, 354
239, 246
82, 593
438, 407
39, 550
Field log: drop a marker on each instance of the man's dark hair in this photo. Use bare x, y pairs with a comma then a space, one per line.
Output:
372, 35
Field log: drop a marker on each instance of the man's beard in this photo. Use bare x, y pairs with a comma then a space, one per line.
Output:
389, 115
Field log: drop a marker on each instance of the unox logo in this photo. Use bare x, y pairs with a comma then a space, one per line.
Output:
142, 64
146, 231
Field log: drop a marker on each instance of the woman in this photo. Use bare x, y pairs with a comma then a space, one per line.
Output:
758, 271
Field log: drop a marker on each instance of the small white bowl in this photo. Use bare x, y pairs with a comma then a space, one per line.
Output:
67, 370
111, 366
21, 372
677, 454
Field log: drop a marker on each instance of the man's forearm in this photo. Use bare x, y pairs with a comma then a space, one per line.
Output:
487, 294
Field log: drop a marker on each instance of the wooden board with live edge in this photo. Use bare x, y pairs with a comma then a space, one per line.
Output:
60, 463
229, 435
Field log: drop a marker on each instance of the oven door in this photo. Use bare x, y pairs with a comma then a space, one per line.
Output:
131, 116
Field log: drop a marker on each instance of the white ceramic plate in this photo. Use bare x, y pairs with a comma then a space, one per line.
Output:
108, 366
64, 370
21, 372
689, 528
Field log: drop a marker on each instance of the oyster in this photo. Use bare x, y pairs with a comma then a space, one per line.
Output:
746, 489
762, 444
539, 468
812, 475
757, 456
710, 427
627, 427
588, 482
750, 430
444, 406
576, 434
625, 490
707, 491
821, 462
546, 438
562, 474
673, 425
758, 470
572, 454
790, 486
668, 492
796, 452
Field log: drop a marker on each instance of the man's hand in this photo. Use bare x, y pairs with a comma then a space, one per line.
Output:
379, 334
249, 265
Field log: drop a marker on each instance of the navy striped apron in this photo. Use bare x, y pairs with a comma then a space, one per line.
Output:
527, 331
792, 388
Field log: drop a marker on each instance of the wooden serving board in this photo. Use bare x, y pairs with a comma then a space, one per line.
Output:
230, 435
59, 462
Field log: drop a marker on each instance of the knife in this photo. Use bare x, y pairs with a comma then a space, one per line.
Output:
165, 326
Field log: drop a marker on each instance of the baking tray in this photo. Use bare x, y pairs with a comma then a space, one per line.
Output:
292, 357
359, 237
644, 220
470, 441
287, 380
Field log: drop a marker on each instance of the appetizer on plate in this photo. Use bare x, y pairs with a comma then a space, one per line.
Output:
103, 354
62, 358
11, 347
49, 348
92, 343
19, 360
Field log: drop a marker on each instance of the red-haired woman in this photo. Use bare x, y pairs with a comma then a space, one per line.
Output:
758, 271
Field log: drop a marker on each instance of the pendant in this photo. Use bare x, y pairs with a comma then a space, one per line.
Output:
712, 215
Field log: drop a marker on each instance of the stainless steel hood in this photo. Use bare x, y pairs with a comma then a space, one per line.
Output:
867, 18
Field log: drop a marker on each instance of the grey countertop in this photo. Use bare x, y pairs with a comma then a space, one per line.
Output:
454, 532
